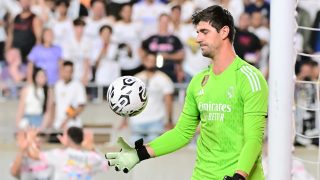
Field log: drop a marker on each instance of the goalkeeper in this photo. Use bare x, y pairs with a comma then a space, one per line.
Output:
229, 100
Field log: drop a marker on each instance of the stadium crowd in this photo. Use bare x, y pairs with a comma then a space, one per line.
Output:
54, 52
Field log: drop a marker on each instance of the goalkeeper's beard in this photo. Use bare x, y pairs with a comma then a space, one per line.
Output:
151, 69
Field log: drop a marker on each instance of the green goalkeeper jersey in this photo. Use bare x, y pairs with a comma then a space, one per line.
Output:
231, 108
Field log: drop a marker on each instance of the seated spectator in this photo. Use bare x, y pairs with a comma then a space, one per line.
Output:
78, 160
13, 73
34, 102
24, 167
69, 99
46, 56
247, 45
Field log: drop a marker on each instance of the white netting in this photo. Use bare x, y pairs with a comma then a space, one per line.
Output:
307, 103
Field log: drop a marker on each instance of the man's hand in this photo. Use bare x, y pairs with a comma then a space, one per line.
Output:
128, 157
236, 176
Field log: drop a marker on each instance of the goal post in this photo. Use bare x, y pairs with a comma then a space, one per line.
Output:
281, 89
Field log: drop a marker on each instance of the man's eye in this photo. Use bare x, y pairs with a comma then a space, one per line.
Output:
205, 32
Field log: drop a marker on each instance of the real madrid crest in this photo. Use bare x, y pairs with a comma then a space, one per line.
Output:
204, 80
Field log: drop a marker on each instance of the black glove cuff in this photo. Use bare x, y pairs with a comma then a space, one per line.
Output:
237, 176
141, 150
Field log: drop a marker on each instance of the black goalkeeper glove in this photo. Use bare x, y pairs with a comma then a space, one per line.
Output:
236, 176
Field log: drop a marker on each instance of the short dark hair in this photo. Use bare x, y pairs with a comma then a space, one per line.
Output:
59, 2
75, 134
105, 27
79, 22
67, 63
217, 17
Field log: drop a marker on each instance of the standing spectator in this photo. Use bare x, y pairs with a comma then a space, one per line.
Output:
24, 167
8, 8
77, 49
13, 73
147, 13
167, 46
247, 45
25, 31
151, 122
96, 20
34, 102
62, 25
69, 99
127, 35
107, 68
46, 56
78, 160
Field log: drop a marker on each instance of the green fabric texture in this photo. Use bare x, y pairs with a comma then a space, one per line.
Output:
231, 109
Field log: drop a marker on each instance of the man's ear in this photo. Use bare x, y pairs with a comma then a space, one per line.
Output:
224, 32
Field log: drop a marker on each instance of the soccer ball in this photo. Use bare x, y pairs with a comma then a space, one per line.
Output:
127, 96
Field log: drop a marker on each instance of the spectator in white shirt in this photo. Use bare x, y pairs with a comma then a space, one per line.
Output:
107, 68
62, 25
96, 20
127, 34
77, 48
69, 99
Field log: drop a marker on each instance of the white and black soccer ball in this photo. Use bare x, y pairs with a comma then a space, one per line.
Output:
127, 96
